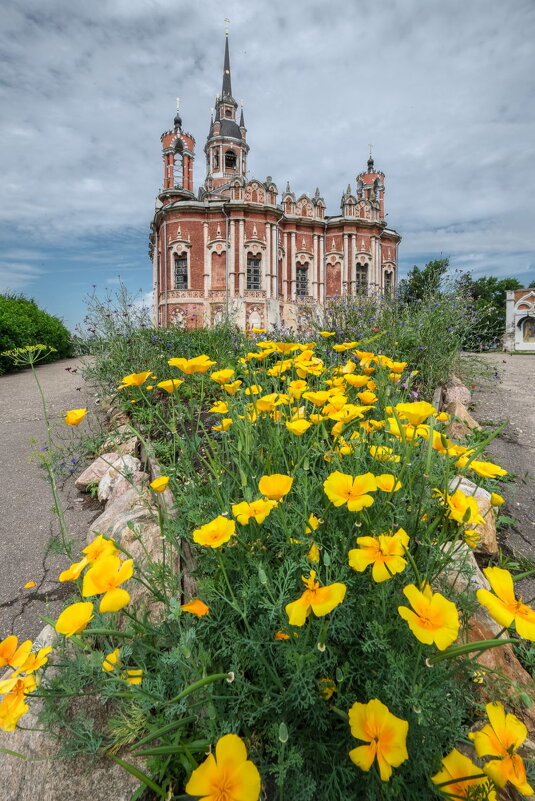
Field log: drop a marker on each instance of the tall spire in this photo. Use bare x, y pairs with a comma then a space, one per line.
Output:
226, 91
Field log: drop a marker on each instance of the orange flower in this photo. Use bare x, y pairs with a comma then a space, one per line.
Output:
215, 533
170, 385
134, 379
12, 654
341, 489
159, 484
74, 618
454, 778
501, 737
275, 486
258, 510
104, 578
200, 364
226, 776
196, 607
385, 734
75, 416
503, 605
434, 620
320, 600
385, 552
281, 635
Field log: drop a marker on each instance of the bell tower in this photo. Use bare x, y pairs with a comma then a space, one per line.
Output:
178, 154
226, 147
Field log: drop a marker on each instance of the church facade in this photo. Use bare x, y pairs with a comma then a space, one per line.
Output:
235, 248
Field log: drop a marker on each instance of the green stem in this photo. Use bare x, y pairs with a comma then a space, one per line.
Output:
467, 648
197, 686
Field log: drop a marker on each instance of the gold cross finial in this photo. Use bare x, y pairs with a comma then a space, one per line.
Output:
178, 104
227, 25
370, 146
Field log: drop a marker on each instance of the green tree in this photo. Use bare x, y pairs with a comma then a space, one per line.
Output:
531, 285
22, 323
488, 295
422, 283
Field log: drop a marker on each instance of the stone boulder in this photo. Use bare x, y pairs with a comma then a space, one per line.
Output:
462, 422
134, 505
487, 531
125, 468
96, 470
455, 390
122, 441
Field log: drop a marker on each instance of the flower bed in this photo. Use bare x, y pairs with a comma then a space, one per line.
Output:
323, 651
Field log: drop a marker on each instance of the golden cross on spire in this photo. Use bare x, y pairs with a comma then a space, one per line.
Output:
178, 104
370, 146
227, 25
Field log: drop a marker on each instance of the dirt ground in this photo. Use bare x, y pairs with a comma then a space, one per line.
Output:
505, 392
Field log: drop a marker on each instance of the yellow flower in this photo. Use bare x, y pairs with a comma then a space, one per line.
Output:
313, 553
385, 552
104, 577
254, 389
387, 482
74, 618
367, 398
343, 346
75, 416
200, 364
29, 585
99, 547
313, 523
326, 334
222, 376
220, 407
503, 605
258, 510
487, 469
296, 388
298, 427
134, 379
383, 453
385, 734
170, 385
215, 533
227, 776
327, 688
12, 654
397, 367
454, 778
320, 600
275, 486
501, 737
196, 607
12, 707
35, 661
472, 537
232, 388
416, 412
434, 620
317, 398
132, 676
341, 489
224, 425
112, 661
73, 572
496, 499
357, 380
463, 508
159, 484
18, 685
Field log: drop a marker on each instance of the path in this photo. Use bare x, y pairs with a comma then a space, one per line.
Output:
507, 393
27, 520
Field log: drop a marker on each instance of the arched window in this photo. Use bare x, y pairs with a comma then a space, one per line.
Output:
230, 160
181, 271
254, 272
389, 283
177, 166
361, 279
301, 280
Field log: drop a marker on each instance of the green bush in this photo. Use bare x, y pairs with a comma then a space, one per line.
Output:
23, 323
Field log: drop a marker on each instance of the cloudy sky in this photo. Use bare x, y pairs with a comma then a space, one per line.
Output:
444, 89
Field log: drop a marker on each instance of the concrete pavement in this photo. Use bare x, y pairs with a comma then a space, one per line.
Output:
26, 518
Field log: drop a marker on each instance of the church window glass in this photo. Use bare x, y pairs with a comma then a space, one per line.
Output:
253, 272
181, 271
389, 283
361, 279
301, 280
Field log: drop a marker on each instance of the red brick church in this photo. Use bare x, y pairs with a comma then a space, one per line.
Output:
234, 248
